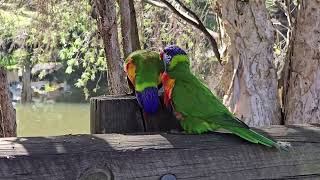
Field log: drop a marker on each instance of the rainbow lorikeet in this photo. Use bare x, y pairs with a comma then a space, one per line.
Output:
144, 68
196, 107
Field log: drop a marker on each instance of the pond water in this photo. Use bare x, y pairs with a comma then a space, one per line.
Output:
52, 119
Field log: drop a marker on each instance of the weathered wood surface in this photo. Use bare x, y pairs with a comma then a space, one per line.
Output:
210, 156
122, 114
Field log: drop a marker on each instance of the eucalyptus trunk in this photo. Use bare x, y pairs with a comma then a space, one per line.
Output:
249, 81
107, 25
129, 29
302, 81
26, 93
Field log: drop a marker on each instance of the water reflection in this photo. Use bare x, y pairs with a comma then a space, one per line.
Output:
42, 119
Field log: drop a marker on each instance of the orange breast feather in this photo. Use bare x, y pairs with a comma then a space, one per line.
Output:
130, 69
168, 84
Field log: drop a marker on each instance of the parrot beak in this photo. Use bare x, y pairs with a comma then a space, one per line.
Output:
161, 55
126, 65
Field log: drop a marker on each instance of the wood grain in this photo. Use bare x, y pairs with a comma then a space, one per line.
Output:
115, 114
122, 114
133, 156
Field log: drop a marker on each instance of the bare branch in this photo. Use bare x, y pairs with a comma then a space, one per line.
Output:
203, 29
163, 6
156, 3
189, 11
196, 22
285, 8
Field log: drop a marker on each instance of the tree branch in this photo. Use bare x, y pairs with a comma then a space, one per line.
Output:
203, 29
156, 3
163, 6
196, 22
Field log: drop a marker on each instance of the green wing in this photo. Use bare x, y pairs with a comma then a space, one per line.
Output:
148, 68
203, 112
201, 109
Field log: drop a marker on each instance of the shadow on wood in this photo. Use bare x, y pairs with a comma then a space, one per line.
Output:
122, 114
201, 157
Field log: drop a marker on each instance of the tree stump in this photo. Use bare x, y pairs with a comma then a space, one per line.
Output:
122, 114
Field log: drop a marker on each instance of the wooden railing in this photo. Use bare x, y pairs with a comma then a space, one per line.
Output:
141, 154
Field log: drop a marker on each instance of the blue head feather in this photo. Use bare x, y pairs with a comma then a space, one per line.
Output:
148, 99
170, 51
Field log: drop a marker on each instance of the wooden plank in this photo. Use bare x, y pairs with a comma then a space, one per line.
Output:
209, 156
122, 114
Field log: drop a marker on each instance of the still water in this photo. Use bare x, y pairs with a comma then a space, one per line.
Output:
52, 119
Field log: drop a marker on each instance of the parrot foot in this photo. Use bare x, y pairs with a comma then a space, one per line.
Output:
283, 145
178, 115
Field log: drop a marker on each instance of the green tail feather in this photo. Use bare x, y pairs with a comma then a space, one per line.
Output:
254, 137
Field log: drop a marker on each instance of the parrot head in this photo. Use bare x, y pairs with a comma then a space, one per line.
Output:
175, 59
173, 54
143, 68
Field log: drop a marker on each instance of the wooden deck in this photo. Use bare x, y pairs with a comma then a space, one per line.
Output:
116, 156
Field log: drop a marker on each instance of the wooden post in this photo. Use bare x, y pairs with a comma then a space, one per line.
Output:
115, 114
122, 114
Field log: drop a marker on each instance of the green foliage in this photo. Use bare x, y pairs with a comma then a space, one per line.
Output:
52, 31
64, 31
271, 6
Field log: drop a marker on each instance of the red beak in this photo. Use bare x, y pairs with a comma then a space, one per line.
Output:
126, 66
161, 55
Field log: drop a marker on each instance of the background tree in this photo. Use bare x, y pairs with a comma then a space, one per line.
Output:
66, 32
107, 25
36, 32
26, 94
129, 28
301, 83
249, 81
7, 112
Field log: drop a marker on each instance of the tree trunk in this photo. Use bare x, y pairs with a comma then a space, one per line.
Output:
129, 27
302, 89
26, 94
7, 112
107, 25
251, 89
140, 24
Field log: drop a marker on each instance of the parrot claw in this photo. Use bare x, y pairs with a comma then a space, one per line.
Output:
178, 115
283, 146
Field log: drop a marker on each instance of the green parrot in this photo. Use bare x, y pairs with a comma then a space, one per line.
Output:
144, 68
195, 106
